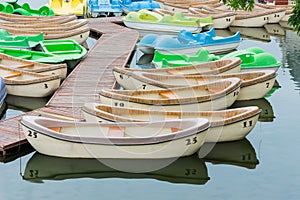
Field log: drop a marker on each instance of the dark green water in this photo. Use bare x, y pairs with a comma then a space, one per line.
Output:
263, 166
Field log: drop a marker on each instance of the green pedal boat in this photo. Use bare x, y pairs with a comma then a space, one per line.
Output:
19, 41
51, 52
69, 50
252, 59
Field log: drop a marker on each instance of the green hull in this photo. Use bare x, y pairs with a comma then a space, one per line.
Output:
68, 49
252, 58
36, 56
178, 60
51, 52
15, 8
19, 41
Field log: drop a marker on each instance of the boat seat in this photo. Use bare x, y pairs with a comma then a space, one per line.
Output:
26, 65
115, 131
175, 130
13, 75
63, 52
56, 129
173, 71
168, 95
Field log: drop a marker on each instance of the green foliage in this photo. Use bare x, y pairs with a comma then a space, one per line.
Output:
294, 19
240, 4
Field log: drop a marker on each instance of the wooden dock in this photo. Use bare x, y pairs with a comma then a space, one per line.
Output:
113, 48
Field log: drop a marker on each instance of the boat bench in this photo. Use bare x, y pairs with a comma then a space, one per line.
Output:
13, 75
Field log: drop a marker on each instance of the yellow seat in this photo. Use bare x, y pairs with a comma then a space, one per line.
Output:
168, 95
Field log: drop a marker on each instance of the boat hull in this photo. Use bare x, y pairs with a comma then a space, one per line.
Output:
160, 27
223, 22
89, 140
215, 104
39, 89
237, 129
258, 21
256, 91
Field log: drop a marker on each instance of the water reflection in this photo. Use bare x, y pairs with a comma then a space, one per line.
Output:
25, 104
275, 29
275, 87
239, 153
267, 114
260, 34
291, 54
188, 170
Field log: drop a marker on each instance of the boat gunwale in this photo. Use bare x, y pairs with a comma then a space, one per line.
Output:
232, 84
107, 114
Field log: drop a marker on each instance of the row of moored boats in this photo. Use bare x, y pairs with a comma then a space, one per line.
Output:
168, 110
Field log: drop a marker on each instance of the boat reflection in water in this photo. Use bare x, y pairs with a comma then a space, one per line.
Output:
275, 87
267, 113
188, 170
275, 29
260, 34
25, 104
239, 153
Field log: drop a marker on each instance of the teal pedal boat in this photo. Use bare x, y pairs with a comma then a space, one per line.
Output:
19, 41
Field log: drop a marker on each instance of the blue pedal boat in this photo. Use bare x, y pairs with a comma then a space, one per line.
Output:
104, 8
136, 5
187, 43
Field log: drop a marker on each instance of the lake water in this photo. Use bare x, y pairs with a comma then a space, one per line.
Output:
263, 166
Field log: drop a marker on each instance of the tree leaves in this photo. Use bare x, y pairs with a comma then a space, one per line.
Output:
240, 4
294, 19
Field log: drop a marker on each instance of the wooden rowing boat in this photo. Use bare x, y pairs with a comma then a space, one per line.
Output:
224, 66
30, 66
276, 14
255, 84
28, 84
36, 19
45, 26
80, 34
220, 20
243, 18
214, 95
225, 125
128, 140
184, 6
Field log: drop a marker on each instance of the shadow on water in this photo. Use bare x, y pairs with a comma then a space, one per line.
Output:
185, 170
188, 170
